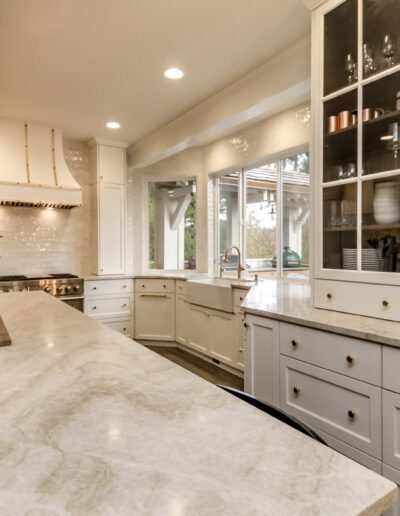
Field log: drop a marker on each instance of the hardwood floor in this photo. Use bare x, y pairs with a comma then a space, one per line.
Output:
209, 372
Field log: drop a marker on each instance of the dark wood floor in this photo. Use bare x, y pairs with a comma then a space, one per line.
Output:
209, 372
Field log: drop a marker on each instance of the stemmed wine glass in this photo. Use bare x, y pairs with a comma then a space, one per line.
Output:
389, 50
351, 69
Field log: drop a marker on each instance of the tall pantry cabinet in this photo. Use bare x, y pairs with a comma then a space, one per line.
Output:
356, 156
108, 189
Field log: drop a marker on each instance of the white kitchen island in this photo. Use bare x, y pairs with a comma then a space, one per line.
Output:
94, 423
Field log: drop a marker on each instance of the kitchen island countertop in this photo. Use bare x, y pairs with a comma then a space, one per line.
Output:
94, 423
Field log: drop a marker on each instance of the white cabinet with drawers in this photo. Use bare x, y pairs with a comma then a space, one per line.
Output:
111, 302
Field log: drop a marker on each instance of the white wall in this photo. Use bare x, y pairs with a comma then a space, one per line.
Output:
277, 135
37, 240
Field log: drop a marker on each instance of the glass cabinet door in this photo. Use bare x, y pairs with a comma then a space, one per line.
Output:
340, 47
381, 21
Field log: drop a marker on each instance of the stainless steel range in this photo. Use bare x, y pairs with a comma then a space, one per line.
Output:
66, 287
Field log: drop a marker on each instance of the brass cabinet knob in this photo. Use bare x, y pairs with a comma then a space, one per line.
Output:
385, 303
241, 350
94, 308
294, 343
124, 329
143, 286
164, 286
350, 359
329, 295
351, 414
245, 325
296, 390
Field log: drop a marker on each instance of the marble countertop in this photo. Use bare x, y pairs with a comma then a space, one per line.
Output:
92, 423
291, 302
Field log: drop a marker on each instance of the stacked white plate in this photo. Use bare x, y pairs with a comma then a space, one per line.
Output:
387, 202
371, 259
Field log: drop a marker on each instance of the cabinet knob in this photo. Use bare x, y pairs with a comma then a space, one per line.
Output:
123, 286
385, 303
241, 298
329, 295
94, 308
143, 286
94, 288
351, 414
101, 270
350, 359
245, 325
296, 390
294, 343
164, 286
124, 329
241, 350
124, 305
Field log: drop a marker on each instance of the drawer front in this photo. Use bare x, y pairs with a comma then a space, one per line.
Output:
155, 285
239, 295
109, 307
180, 287
391, 429
123, 327
381, 301
351, 357
105, 287
391, 368
347, 409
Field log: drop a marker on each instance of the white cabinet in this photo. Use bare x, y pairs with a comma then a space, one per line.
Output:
261, 377
111, 302
222, 333
155, 316
394, 476
240, 340
391, 368
345, 408
198, 336
391, 429
108, 163
182, 319
111, 229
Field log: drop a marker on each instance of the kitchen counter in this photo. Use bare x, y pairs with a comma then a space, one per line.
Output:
94, 423
291, 302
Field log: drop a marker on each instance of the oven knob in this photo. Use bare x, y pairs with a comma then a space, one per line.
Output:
47, 289
68, 288
77, 288
59, 289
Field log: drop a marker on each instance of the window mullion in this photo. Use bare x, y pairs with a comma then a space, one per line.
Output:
279, 214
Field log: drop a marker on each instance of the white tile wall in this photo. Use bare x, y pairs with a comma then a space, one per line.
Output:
35, 240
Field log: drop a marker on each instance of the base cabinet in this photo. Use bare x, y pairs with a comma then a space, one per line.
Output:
198, 331
391, 429
261, 378
182, 318
155, 316
222, 337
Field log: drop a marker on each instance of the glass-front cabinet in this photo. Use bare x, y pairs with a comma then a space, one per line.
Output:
356, 149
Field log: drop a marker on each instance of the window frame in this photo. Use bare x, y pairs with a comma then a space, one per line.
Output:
242, 195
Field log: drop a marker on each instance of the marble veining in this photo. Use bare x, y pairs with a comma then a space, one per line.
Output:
291, 302
92, 423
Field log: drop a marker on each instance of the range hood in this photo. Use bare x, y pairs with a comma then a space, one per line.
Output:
33, 171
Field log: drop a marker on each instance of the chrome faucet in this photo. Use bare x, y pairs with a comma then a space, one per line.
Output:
225, 259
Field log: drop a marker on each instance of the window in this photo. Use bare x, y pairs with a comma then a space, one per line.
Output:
172, 225
265, 212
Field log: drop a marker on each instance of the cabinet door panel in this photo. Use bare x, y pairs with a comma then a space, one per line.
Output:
198, 331
391, 429
261, 377
240, 340
111, 161
182, 317
391, 368
342, 407
155, 317
222, 336
111, 229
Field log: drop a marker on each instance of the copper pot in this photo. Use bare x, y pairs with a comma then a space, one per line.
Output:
344, 119
366, 114
333, 124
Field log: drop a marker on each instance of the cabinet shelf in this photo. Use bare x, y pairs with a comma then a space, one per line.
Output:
365, 227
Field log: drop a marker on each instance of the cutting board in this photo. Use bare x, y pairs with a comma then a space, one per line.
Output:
4, 336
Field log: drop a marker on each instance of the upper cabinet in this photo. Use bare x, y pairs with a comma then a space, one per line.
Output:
356, 143
108, 162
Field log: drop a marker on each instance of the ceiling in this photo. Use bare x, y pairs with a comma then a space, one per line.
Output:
76, 64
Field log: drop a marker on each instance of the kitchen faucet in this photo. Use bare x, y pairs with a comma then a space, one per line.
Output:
240, 268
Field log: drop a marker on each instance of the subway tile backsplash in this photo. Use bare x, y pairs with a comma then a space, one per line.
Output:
36, 240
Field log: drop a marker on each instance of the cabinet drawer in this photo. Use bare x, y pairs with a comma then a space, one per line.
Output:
391, 368
347, 409
124, 327
105, 287
239, 295
180, 287
109, 307
381, 301
391, 429
155, 285
351, 357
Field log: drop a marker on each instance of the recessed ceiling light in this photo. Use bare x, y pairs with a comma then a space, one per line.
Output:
173, 73
113, 125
